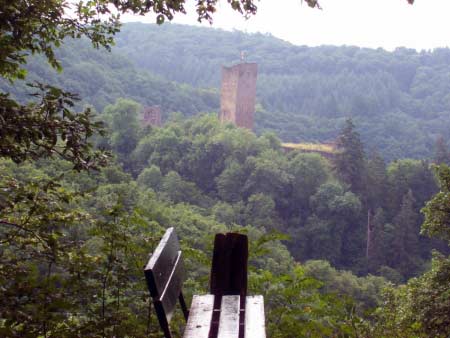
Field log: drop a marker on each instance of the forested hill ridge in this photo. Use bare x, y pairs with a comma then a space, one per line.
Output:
399, 101
100, 77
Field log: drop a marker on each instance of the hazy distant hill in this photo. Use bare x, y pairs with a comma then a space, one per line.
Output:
100, 77
400, 101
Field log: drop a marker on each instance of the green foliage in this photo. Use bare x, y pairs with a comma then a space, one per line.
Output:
75, 249
298, 309
421, 307
268, 174
230, 182
407, 174
178, 190
100, 78
65, 273
73, 245
260, 211
437, 211
406, 237
349, 161
332, 231
71, 261
365, 291
246, 179
116, 222
39, 27
150, 177
81, 239
122, 119
398, 99
48, 127
310, 171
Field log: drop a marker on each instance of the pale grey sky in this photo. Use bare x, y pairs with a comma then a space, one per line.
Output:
366, 23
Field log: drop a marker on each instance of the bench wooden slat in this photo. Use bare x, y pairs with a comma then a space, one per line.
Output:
200, 316
170, 294
254, 317
229, 317
161, 263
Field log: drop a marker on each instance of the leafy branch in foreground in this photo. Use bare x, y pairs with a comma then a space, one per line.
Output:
34, 26
48, 127
65, 272
437, 211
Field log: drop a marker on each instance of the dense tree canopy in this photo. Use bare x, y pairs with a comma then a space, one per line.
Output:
421, 307
38, 27
81, 241
72, 244
398, 100
245, 179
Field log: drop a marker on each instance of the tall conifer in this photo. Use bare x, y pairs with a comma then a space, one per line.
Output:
349, 162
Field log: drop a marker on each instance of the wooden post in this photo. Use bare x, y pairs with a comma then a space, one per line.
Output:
229, 265
228, 272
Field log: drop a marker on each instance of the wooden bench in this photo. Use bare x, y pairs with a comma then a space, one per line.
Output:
225, 313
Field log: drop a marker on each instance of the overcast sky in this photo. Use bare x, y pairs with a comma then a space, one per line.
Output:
366, 23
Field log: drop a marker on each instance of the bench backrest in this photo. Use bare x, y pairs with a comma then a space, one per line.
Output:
229, 274
229, 265
165, 275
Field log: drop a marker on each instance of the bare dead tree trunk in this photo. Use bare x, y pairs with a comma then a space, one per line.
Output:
370, 229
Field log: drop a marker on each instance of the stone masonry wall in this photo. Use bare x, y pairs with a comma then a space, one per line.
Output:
151, 116
238, 94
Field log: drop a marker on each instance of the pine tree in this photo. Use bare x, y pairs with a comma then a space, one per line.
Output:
377, 244
406, 237
349, 162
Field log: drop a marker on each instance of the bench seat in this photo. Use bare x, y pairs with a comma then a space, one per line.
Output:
200, 317
201, 314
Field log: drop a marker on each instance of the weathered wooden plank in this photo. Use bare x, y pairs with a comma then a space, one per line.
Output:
255, 326
162, 262
229, 265
220, 267
172, 290
229, 317
200, 316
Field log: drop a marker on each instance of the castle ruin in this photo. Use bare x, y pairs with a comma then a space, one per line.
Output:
151, 116
238, 94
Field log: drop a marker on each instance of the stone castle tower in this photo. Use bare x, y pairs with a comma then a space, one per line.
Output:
238, 94
151, 116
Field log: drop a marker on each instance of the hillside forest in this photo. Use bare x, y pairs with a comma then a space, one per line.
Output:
398, 100
355, 245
